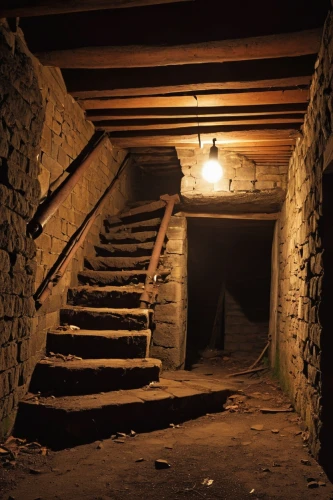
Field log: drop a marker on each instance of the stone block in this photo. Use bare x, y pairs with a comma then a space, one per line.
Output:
4, 261
222, 185
246, 173
175, 247
241, 186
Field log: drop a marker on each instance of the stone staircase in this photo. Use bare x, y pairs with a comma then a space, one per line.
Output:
98, 377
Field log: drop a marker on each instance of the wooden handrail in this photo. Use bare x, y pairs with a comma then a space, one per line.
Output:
147, 296
58, 270
52, 204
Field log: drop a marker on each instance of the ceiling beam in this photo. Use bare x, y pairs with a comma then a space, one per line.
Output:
186, 112
189, 138
31, 8
228, 99
126, 125
295, 81
283, 72
137, 56
249, 216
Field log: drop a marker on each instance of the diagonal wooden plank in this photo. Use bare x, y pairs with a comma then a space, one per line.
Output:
227, 99
28, 8
137, 56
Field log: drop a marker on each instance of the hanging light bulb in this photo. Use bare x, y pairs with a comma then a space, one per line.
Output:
212, 170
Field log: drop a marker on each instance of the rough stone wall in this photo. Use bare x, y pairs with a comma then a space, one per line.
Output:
21, 120
241, 334
65, 133
170, 317
299, 333
244, 184
42, 130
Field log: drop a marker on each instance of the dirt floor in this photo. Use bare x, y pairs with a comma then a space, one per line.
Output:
238, 454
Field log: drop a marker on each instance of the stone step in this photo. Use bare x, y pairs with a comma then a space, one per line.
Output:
81, 419
105, 278
151, 224
105, 318
128, 237
88, 376
125, 249
106, 296
113, 263
94, 344
138, 214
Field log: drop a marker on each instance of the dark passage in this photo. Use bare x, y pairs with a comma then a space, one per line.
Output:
229, 266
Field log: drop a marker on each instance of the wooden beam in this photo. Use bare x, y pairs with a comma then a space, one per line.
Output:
283, 72
137, 56
127, 125
30, 8
249, 216
137, 114
290, 82
190, 138
210, 100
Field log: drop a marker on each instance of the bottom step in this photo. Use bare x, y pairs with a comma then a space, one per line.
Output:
72, 420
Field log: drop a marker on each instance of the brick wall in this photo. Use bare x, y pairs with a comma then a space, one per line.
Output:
243, 182
299, 267
21, 112
42, 130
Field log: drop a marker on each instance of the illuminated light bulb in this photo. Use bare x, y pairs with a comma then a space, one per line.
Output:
212, 170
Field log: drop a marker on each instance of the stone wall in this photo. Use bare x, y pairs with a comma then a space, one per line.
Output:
65, 133
42, 130
244, 186
299, 333
242, 335
21, 120
170, 316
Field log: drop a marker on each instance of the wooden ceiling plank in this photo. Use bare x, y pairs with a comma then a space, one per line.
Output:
289, 82
262, 73
110, 127
187, 112
189, 139
138, 56
30, 8
233, 99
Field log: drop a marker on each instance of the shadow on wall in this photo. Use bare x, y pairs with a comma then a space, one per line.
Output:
235, 254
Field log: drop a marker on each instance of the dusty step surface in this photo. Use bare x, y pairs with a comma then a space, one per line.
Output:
128, 237
88, 376
106, 278
96, 344
106, 318
113, 263
151, 224
124, 249
140, 213
106, 296
80, 419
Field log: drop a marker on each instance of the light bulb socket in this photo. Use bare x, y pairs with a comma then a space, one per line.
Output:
214, 151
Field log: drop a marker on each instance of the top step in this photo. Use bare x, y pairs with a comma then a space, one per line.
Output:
138, 213
151, 224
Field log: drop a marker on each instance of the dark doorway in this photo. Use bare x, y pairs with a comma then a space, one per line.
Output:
229, 265
326, 341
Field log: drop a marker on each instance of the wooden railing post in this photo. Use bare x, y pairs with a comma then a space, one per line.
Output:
147, 296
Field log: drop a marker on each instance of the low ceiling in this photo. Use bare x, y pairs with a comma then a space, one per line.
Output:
153, 73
